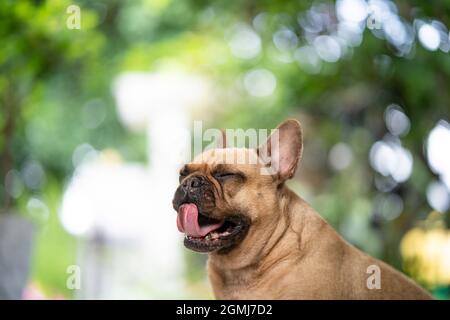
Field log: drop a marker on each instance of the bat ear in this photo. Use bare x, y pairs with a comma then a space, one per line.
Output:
283, 149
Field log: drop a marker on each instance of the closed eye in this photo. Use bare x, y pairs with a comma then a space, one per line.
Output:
225, 175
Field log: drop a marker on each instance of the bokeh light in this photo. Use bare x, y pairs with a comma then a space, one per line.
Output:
429, 37
438, 154
389, 158
260, 82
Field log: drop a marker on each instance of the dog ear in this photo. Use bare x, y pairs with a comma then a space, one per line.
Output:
283, 149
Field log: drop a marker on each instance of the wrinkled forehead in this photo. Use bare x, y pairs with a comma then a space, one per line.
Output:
238, 157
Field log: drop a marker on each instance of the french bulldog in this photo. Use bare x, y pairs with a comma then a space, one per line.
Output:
264, 241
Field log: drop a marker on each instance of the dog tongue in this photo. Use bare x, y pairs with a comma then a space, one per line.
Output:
187, 222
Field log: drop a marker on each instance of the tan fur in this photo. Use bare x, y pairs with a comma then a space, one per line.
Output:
290, 252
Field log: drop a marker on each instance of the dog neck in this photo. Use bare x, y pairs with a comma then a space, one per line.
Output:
242, 266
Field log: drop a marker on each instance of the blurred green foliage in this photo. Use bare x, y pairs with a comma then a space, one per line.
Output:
50, 77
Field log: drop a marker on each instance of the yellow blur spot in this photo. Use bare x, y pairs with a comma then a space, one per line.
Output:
426, 251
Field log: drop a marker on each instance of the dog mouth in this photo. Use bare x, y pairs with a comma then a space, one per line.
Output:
206, 234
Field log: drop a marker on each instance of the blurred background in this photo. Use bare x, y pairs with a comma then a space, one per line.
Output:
98, 101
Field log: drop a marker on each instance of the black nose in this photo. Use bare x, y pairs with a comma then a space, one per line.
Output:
192, 189
194, 182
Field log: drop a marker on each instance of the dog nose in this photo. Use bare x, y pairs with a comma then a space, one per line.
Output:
194, 182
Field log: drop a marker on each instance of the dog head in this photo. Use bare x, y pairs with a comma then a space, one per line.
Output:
226, 194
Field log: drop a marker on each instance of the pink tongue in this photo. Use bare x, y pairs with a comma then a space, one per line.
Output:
187, 222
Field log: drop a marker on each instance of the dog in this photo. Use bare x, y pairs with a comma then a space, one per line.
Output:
265, 242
